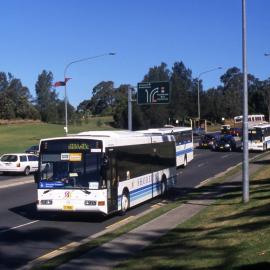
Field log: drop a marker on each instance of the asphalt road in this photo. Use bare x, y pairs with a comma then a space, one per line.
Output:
26, 235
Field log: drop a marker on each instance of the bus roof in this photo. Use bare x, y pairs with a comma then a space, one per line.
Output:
263, 125
164, 130
117, 138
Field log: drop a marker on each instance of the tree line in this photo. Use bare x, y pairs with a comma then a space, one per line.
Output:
224, 100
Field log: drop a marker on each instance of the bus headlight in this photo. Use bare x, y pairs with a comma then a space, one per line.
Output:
90, 202
46, 202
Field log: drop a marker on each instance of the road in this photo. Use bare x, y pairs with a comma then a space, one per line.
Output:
25, 235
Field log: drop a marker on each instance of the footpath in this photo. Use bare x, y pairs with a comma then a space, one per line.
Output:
123, 247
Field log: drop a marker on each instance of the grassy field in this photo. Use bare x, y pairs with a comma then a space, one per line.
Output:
226, 235
18, 137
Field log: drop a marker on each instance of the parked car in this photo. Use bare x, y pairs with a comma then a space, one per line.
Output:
227, 143
34, 149
208, 140
18, 163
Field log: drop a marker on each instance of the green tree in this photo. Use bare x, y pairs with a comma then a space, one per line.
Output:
103, 98
45, 95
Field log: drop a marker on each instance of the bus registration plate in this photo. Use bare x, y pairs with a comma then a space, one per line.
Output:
68, 207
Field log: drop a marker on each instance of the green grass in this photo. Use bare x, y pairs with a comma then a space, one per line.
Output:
18, 137
226, 235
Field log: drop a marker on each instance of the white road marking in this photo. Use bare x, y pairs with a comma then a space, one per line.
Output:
225, 156
200, 165
19, 226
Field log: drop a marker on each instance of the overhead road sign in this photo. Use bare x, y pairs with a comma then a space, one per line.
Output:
153, 93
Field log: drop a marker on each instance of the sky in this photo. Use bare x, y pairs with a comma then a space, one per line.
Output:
47, 35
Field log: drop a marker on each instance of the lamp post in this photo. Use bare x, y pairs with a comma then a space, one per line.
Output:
199, 110
65, 80
245, 166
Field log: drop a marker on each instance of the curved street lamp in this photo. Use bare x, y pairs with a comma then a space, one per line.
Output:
66, 79
199, 110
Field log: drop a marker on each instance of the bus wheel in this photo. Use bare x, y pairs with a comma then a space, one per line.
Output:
124, 203
163, 191
185, 162
27, 171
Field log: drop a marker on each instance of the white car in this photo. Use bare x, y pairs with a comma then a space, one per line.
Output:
19, 163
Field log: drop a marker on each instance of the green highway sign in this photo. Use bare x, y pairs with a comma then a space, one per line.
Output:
153, 93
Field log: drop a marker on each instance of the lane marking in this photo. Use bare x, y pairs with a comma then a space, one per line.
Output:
200, 165
16, 184
19, 226
225, 156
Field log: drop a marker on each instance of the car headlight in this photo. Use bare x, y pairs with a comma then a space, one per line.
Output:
227, 145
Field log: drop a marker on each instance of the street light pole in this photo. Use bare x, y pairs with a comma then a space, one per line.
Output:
199, 110
245, 166
65, 80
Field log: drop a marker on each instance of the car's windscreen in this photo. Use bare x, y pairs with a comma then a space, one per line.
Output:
9, 158
70, 170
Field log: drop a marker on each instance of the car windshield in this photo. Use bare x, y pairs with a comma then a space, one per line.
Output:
70, 170
9, 158
33, 148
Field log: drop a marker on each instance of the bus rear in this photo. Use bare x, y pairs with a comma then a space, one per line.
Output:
69, 176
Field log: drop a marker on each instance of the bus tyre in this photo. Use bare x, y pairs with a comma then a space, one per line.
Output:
27, 171
124, 203
185, 162
164, 188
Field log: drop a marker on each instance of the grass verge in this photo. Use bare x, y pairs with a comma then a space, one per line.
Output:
18, 137
226, 235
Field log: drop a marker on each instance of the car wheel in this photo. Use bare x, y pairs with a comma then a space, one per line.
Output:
27, 171
124, 203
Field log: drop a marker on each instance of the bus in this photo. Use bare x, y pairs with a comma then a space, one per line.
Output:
183, 140
259, 137
253, 119
103, 172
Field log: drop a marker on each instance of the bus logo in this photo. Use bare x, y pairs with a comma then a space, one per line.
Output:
67, 194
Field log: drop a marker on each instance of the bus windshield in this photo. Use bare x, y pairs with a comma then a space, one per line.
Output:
58, 173
255, 135
70, 164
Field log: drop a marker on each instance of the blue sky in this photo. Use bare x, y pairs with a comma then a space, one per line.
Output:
37, 35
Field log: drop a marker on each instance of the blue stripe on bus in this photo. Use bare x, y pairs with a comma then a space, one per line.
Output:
185, 151
142, 191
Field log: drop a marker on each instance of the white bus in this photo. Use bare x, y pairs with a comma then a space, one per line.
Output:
253, 119
259, 137
183, 140
103, 171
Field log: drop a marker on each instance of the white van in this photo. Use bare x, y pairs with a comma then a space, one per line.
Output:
18, 163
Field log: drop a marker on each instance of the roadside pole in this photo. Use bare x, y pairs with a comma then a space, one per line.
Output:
245, 168
129, 108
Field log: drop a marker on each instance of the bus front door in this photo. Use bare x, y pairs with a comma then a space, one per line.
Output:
112, 182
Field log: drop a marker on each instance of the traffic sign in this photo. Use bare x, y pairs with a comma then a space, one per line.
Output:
153, 93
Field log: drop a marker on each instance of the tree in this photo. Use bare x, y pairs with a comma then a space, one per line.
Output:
103, 98
182, 99
49, 106
155, 115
